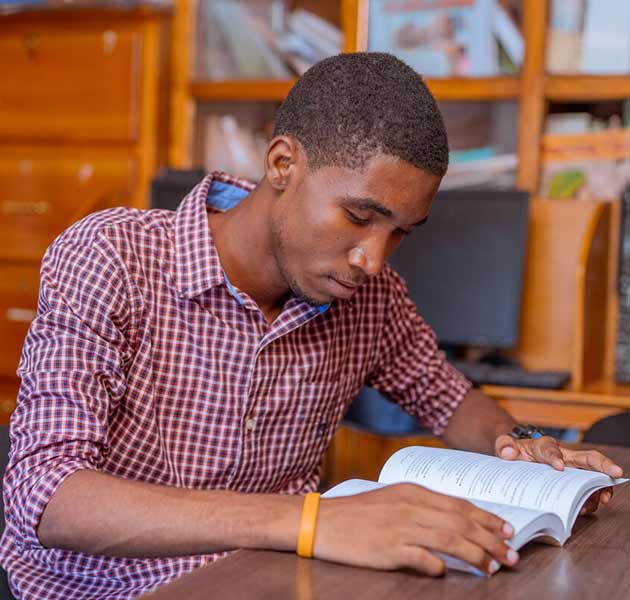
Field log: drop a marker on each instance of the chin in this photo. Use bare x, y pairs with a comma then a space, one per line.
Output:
310, 296
314, 299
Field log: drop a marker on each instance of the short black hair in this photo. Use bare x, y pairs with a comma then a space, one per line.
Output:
350, 107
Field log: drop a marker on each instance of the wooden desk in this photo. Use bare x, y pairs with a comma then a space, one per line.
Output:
594, 564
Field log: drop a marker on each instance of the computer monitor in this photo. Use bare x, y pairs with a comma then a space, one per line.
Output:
464, 267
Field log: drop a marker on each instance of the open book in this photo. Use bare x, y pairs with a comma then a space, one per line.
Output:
537, 500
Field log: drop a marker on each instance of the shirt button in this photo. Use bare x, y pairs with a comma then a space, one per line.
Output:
250, 424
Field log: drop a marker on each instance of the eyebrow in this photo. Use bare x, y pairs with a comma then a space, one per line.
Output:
420, 222
370, 204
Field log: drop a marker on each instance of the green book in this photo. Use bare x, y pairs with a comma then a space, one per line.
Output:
566, 184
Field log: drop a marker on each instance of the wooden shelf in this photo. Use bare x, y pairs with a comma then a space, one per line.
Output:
608, 388
575, 88
245, 90
577, 409
561, 415
492, 88
599, 394
469, 88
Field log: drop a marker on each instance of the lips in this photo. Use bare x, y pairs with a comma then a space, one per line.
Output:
352, 286
340, 289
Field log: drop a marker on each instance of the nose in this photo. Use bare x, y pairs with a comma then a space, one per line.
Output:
369, 256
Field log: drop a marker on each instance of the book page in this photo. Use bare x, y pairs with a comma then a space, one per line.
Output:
518, 517
481, 477
351, 487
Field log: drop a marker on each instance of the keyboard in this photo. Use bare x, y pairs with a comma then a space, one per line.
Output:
486, 374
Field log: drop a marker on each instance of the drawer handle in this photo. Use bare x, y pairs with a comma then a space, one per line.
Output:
7, 406
20, 315
110, 38
25, 209
31, 43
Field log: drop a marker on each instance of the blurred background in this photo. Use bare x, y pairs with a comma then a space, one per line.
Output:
128, 103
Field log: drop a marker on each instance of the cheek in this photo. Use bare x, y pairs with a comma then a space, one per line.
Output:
330, 245
319, 236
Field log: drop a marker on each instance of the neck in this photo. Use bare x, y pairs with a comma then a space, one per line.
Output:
243, 240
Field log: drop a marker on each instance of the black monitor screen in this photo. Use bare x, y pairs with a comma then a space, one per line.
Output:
464, 267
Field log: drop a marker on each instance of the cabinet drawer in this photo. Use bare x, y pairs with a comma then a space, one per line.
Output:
19, 286
71, 81
42, 193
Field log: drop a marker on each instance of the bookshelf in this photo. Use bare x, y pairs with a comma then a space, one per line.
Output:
593, 393
572, 88
532, 88
188, 91
250, 90
465, 89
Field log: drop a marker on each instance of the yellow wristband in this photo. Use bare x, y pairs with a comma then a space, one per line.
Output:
308, 522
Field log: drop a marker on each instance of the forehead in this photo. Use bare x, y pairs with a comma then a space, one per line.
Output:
392, 182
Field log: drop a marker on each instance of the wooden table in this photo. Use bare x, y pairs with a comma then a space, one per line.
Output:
594, 564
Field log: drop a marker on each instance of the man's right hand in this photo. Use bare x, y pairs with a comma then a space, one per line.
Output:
402, 525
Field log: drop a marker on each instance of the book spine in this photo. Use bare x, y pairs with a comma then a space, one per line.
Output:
253, 57
508, 35
325, 30
322, 45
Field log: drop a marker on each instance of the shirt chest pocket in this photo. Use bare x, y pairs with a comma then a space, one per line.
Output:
319, 407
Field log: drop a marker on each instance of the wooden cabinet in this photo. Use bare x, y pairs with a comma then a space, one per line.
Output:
93, 98
18, 303
43, 193
83, 127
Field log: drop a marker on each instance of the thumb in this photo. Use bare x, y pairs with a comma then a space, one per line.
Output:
506, 447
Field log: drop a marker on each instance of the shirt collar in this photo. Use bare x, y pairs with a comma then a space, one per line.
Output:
197, 264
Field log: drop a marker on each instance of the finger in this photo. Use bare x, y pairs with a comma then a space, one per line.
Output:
463, 526
506, 447
450, 542
546, 450
590, 506
493, 546
606, 495
592, 460
490, 522
420, 559
450, 509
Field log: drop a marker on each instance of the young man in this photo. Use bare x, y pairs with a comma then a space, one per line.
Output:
186, 371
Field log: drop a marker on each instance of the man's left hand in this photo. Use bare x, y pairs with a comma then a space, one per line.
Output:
547, 450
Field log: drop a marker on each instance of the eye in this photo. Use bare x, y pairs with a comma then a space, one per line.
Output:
356, 218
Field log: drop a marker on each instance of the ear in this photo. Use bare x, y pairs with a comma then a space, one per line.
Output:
283, 159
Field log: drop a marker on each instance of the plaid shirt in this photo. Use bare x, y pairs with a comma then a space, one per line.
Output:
144, 362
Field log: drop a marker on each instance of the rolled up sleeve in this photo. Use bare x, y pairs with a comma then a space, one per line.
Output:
72, 372
411, 370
